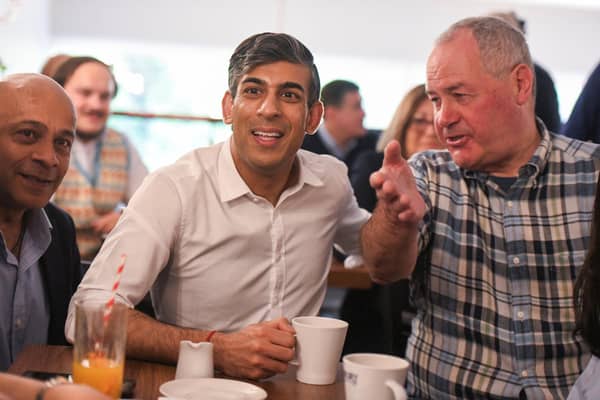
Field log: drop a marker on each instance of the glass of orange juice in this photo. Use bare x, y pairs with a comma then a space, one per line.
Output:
99, 347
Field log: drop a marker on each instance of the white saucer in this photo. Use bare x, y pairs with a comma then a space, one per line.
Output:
212, 389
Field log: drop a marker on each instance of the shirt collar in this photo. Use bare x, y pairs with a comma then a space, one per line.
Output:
540, 157
330, 143
231, 185
37, 236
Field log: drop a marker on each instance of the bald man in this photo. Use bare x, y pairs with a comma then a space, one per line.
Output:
39, 261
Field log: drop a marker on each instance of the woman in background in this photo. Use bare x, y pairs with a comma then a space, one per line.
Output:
412, 127
375, 315
587, 311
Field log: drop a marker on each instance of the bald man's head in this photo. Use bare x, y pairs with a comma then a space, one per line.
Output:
37, 129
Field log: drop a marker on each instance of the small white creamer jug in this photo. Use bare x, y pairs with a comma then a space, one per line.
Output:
195, 360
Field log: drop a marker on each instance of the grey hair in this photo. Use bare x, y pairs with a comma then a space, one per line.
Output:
501, 46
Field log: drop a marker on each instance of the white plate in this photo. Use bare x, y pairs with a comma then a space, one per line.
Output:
212, 389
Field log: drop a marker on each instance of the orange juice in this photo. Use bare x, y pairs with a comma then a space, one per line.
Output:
100, 373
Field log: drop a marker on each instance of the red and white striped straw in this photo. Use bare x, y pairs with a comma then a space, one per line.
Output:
111, 302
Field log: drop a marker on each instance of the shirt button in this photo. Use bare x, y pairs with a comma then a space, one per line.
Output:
521, 315
18, 323
516, 261
509, 204
524, 373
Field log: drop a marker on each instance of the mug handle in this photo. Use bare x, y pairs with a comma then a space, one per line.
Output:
397, 389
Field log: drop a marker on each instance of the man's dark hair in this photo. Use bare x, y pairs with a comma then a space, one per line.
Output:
68, 68
267, 48
333, 93
587, 287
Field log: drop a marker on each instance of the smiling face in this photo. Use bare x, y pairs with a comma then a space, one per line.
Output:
269, 115
91, 88
475, 113
37, 127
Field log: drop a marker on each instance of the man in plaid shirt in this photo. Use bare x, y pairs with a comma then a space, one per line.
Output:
492, 232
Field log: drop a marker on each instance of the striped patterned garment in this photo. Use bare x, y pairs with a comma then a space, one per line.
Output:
494, 281
86, 198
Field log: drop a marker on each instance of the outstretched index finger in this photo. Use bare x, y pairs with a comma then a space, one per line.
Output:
392, 154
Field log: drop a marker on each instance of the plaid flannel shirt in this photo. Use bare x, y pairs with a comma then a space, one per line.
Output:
494, 281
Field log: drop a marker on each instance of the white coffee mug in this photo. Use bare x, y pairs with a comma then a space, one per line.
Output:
374, 376
319, 343
195, 360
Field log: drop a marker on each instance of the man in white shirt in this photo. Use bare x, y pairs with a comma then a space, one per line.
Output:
105, 168
235, 239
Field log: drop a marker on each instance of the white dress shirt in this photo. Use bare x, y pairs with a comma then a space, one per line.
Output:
215, 255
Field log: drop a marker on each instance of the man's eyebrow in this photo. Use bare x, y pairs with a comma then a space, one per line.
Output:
451, 88
252, 79
454, 87
40, 125
33, 122
284, 85
292, 85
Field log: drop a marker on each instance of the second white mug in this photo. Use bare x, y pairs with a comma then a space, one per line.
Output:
374, 376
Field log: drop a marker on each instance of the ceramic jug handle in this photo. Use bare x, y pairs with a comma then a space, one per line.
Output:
397, 389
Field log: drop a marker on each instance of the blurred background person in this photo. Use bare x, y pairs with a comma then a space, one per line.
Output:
584, 122
587, 312
546, 99
51, 65
375, 315
105, 167
342, 133
412, 126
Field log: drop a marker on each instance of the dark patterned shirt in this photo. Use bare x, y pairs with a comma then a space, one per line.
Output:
494, 281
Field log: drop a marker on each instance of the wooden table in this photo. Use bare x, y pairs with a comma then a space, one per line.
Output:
149, 376
354, 278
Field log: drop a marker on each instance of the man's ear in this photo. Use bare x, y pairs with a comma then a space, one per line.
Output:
226, 107
313, 119
522, 78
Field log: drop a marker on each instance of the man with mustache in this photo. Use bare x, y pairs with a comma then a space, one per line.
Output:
105, 168
491, 232
39, 262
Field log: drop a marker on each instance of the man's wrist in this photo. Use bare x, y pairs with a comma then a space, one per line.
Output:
210, 335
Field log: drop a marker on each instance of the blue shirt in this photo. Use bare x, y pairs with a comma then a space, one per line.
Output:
329, 141
494, 283
587, 386
24, 307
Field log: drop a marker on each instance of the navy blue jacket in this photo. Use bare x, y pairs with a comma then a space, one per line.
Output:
61, 271
584, 122
315, 144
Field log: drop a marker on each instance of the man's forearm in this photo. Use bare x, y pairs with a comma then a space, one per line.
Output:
149, 339
390, 250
